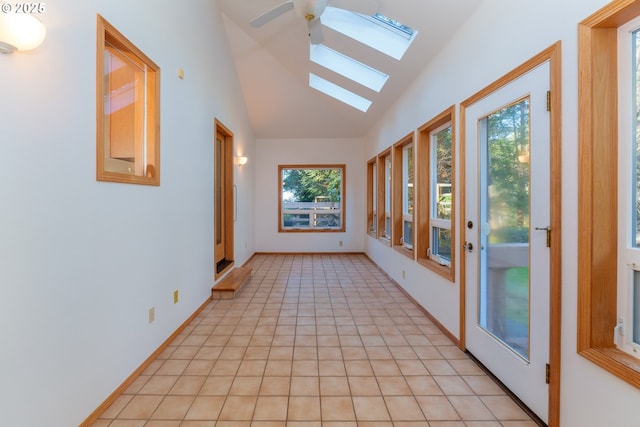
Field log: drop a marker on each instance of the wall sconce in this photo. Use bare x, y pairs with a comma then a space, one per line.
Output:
241, 160
19, 31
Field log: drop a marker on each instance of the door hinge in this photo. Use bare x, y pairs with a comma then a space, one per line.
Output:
548, 100
547, 374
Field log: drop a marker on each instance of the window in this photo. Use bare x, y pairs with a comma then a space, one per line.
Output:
311, 198
436, 194
628, 328
372, 223
600, 279
440, 206
403, 195
339, 93
128, 111
378, 31
384, 196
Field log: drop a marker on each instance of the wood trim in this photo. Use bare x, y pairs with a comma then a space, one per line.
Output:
371, 172
108, 33
381, 191
93, 417
598, 186
343, 198
229, 236
553, 55
423, 193
397, 193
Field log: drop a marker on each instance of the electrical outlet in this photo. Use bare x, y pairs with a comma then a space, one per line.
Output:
340, 243
403, 274
152, 314
175, 296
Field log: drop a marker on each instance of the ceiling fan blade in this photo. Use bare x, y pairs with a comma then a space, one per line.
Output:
365, 7
315, 31
272, 14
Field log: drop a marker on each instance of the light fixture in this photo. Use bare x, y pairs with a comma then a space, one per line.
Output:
241, 160
20, 31
310, 9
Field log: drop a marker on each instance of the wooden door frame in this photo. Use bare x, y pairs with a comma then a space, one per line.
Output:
228, 196
553, 55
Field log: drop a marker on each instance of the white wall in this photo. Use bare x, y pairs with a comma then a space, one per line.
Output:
81, 262
270, 154
500, 36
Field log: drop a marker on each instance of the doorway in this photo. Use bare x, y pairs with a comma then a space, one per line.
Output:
223, 199
510, 274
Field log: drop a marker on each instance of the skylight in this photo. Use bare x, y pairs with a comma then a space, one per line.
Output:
348, 67
379, 32
339, 93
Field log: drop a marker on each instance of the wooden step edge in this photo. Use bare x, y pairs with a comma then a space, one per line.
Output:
231, 283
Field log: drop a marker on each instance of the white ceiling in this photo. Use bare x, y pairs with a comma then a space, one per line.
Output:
273, 64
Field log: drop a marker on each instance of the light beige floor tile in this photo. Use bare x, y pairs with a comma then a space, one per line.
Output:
504, 408
205, 408
394, 386
437, 408
304, 408
370, 408
471, 408
337, 408
275, 386
404, 408
245, 386
238, 408
305, 386
313, 341
173, 408
271, 408
140, 407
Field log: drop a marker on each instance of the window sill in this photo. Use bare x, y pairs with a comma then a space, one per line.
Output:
443, 270
404, 251
385, 241
618, 363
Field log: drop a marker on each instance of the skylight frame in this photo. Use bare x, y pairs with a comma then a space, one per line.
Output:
381, 33
348, 67
339, 93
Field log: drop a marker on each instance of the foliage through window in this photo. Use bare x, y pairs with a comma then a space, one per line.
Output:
311, 198
435, 194
441, 179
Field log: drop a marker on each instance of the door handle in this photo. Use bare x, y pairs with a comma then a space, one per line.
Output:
468, 246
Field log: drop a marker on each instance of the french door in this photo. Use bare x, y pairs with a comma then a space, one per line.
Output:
507, 235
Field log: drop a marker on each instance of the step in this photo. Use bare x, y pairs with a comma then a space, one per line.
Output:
232, 283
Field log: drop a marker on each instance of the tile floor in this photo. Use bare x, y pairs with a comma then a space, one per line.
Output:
310, 341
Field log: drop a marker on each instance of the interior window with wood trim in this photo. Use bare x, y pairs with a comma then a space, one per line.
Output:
608, 262
384, 196
403, 195
128, 110
436, 194
372, 223
311, 198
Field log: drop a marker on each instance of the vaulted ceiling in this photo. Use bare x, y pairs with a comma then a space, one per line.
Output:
273, 64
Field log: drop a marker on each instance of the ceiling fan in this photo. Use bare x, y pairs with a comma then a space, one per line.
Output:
311, 10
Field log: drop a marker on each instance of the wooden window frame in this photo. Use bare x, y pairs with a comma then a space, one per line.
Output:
343, 198
598, 186
397, 195
372, 181
381, 192
423, 195
146, 164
